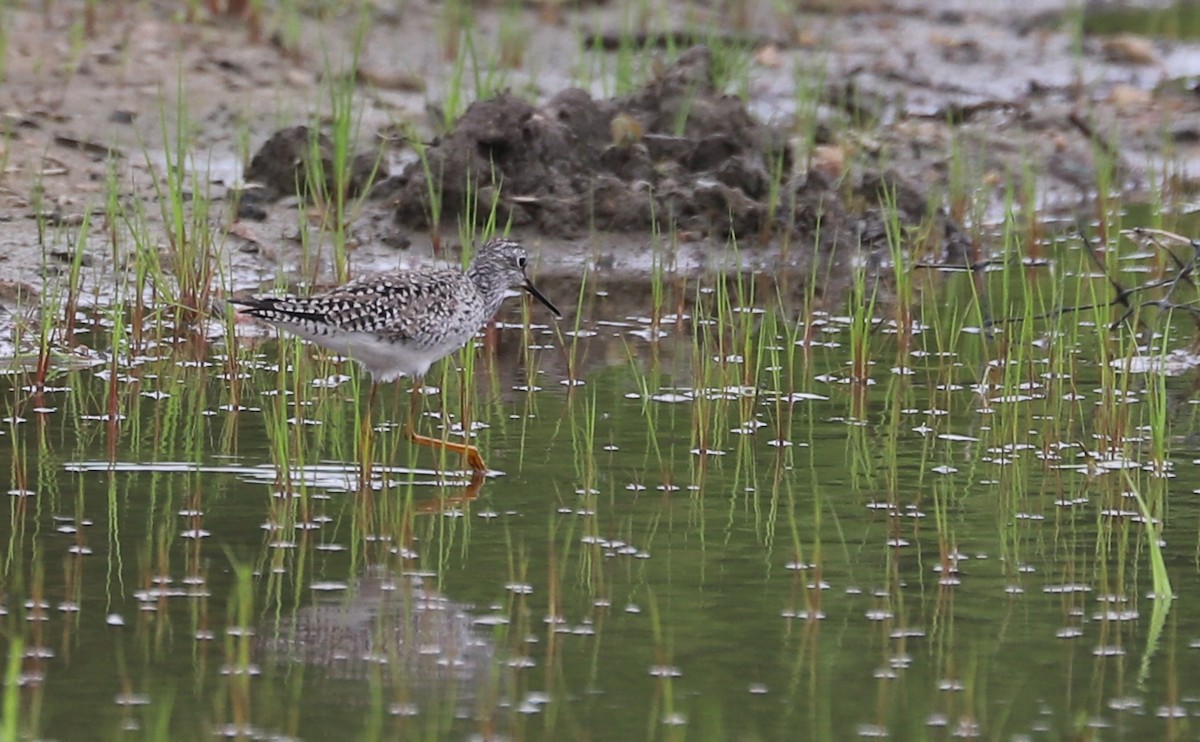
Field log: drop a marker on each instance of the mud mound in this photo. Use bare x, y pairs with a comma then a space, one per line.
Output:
674, 154
297, 159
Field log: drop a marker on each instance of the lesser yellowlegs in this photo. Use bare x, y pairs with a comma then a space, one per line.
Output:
397, 324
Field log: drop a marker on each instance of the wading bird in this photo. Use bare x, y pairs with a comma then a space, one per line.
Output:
397, 324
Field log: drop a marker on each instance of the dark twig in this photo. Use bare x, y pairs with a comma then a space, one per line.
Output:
1128, 297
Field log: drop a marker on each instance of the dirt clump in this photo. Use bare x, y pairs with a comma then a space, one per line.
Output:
299, 159
676, 154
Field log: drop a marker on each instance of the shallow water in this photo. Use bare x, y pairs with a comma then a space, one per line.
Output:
697, 524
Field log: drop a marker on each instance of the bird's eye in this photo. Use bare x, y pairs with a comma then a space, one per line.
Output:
521, 262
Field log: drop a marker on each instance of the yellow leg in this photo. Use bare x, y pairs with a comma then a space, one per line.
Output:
472, 453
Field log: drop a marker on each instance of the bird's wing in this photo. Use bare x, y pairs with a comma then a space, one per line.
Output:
396, 305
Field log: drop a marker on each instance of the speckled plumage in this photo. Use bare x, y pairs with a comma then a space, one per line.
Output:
398, 324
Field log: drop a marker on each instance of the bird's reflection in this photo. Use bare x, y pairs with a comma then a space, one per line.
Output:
454, 499
392, 627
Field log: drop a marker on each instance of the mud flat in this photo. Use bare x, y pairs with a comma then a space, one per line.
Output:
599, 138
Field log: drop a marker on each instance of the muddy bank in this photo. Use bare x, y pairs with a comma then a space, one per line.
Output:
951, 109
676, 158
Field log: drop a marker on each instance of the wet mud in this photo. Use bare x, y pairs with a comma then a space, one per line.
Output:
299, 159
934, 120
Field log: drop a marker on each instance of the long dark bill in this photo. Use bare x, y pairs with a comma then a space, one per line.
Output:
538, 295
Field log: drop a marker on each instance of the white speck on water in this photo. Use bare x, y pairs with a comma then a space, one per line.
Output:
492, 620
803, 615
330, 382
672, 397
1125, 703
1066, 588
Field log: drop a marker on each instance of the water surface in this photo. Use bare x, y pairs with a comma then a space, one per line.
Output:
718, 513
